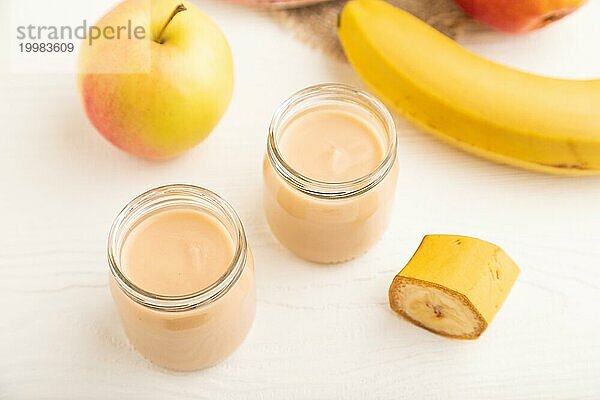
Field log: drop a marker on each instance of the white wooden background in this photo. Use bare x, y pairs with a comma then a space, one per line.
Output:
320, 332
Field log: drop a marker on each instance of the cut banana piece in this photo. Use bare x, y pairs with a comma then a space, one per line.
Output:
453, 285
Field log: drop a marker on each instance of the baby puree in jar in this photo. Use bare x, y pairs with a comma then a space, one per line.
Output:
183, 277
330, 172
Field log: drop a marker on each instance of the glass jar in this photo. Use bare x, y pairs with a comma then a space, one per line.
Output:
196, 330
329, 222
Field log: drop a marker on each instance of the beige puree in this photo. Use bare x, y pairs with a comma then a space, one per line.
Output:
329, 143
176, 252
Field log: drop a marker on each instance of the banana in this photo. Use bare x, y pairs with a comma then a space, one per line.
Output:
540, 123
453, 285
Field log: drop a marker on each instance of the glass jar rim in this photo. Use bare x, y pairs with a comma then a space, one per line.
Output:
159, 197
332, 190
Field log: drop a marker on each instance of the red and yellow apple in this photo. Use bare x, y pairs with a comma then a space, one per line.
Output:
518, 15
162, 85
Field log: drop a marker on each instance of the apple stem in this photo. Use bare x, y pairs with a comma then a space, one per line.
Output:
177, 10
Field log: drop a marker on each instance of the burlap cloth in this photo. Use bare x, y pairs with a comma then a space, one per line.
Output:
316, 24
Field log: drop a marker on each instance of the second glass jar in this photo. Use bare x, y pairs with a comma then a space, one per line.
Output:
329, 222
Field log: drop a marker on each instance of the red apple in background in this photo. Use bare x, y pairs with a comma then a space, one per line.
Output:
279, 3
518, 15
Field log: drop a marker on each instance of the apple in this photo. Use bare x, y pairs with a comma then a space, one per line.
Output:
280, 3
162, 85
518, 15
